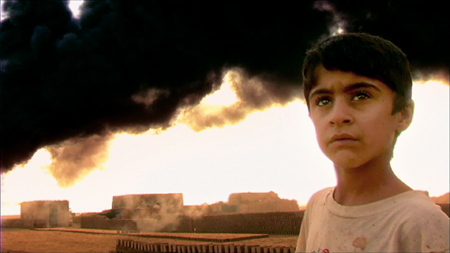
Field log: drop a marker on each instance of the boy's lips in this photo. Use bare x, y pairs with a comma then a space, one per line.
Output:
342, 138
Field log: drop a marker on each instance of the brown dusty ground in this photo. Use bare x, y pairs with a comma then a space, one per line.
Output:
26, 240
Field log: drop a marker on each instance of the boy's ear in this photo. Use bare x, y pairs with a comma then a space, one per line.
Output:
405, 117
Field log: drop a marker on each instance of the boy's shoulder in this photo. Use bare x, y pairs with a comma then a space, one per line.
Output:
420, 221
320, 196
418, 206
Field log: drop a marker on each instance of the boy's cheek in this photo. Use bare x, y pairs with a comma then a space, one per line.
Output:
321, 143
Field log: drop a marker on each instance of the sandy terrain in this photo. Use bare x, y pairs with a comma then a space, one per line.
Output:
25, 240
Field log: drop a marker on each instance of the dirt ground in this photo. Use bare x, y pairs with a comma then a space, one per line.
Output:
26, 240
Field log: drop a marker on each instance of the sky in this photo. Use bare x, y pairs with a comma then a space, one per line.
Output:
264, 148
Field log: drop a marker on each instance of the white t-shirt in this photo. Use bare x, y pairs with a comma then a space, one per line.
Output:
407, 222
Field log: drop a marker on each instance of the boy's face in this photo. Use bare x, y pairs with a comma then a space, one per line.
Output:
352, 115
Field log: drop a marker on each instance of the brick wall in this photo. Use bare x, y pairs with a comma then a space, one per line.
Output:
169, 202
253, 223
23, 223
282, 205
100, 222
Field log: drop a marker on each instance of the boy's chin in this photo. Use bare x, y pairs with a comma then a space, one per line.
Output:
347, 160
348, 163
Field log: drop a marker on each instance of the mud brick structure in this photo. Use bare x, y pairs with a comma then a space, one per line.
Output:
101, 222
169, 202
146, 207
283, 223
222, 207
252, 197
254, 202
22, 223
45, 213
143, 212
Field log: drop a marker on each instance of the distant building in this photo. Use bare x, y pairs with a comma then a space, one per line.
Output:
222, 208
166, 212
256, 202
148, 201
252, 197
139, 206
46, 213
196, 210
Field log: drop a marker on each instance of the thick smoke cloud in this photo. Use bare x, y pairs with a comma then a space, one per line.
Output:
418, 27
255, 93
63, 78
132, 65
75, 158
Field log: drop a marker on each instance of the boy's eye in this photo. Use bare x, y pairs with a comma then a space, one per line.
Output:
322, 101
361, 96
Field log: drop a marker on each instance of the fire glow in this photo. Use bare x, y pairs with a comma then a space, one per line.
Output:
270, 151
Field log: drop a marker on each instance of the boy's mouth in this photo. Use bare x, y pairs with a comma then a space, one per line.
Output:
342, 137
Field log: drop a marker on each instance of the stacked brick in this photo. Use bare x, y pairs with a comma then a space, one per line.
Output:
24, 223
199, 237
285, 223
127, 246
100, 222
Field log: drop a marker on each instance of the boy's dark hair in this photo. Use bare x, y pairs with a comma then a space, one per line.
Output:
362, 54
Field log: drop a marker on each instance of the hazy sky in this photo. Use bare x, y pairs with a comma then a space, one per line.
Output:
271, 150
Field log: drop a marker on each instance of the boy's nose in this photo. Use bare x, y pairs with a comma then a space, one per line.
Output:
341, 114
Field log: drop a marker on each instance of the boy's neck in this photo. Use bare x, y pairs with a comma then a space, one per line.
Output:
367, 184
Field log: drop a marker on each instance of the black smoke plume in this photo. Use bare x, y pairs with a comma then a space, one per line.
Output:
131, 65
418, 27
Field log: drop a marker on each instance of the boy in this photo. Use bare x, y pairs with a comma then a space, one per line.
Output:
358, 91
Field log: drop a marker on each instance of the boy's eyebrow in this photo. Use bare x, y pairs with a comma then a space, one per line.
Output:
320, 92
360, 85
348, 88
